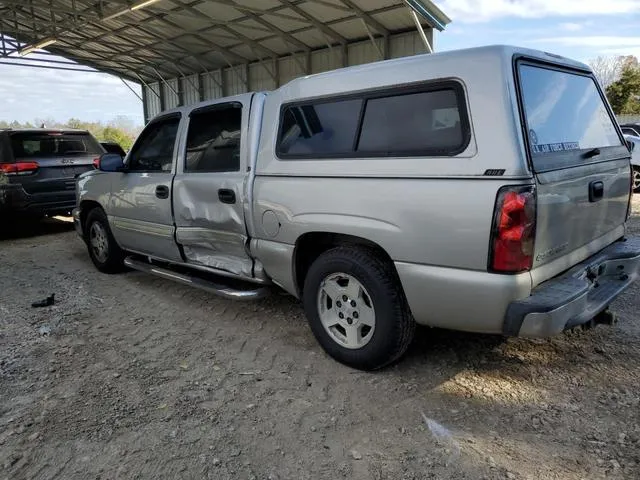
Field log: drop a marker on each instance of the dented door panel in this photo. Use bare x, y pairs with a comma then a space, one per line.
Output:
210, 232
208, 189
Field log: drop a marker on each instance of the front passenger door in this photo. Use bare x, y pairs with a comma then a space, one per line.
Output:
141, 214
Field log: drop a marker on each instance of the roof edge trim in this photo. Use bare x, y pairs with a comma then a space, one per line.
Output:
428, 10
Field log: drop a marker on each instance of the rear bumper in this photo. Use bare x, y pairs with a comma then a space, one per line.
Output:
577, 296
14, 199
458, 299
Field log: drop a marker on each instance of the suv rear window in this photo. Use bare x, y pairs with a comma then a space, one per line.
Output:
54, 144
565, 116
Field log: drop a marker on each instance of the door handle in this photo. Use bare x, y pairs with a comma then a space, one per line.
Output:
596, 191
226, 195
162, 191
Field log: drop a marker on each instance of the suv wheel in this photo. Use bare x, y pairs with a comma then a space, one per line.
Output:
357, 309
636, 179
105, 253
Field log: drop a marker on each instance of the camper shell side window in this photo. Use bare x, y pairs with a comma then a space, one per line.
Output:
423, 120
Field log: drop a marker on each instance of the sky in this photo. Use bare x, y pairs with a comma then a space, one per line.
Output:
30, 93
579, 29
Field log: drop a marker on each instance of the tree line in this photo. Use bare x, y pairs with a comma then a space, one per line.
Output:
120, 130
620, 76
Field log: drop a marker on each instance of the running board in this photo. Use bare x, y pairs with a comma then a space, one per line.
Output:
197, 282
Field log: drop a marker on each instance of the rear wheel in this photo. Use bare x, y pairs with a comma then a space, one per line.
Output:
105, 253
636, 179
356, 308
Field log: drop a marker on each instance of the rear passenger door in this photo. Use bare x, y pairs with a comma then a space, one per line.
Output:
140, 207
208, 188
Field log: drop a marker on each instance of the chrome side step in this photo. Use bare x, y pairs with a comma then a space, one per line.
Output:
197, 282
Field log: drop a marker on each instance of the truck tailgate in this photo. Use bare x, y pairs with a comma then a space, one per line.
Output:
580, 162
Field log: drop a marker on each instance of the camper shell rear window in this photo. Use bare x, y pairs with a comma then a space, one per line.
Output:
566, 119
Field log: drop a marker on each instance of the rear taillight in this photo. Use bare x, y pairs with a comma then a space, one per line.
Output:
513, 230
19, 168
96, 162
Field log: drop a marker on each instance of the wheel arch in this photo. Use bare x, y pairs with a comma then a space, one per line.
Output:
309, 246
87, 206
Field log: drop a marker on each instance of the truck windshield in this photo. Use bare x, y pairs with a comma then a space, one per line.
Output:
566, 117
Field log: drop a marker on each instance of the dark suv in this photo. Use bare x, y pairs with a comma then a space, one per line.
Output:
38, 169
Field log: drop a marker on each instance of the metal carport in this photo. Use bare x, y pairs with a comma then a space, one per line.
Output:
184, 51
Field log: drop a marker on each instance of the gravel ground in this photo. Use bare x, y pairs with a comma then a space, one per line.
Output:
130, 376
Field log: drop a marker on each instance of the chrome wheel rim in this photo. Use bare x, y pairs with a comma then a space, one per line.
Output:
636, 179
98, 242
346, 311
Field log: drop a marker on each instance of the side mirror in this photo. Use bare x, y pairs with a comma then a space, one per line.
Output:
630, 145
111, 162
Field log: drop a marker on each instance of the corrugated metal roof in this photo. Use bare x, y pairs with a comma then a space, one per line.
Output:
144, 39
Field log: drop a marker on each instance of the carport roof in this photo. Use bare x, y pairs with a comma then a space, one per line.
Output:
148, 39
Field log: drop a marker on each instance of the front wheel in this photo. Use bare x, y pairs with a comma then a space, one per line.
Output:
356, 308
105, 253
636, 179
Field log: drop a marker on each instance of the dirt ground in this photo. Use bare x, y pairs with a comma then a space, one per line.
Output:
130, 376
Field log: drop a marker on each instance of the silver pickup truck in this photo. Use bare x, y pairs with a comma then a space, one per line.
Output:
484, 190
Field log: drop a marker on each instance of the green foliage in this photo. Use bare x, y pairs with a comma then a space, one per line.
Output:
120, 130
113, 134
624, 94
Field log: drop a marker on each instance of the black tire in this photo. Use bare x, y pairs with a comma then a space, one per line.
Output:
394, 325
636, 179
112, 262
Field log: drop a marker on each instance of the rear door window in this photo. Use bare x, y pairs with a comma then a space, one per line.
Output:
213, 141
54, 144
566, 118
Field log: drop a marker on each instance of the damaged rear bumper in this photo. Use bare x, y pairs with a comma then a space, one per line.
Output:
578, 296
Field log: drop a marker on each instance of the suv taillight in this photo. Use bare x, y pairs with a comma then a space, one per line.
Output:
19, 168
96, 163
514, 229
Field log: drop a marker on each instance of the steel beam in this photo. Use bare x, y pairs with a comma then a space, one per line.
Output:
17, 64
92, 61
373, 40
366, 17
149, 87
316, 23
130, 88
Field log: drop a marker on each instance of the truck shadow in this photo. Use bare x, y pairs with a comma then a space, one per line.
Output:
17, 229
430, 343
